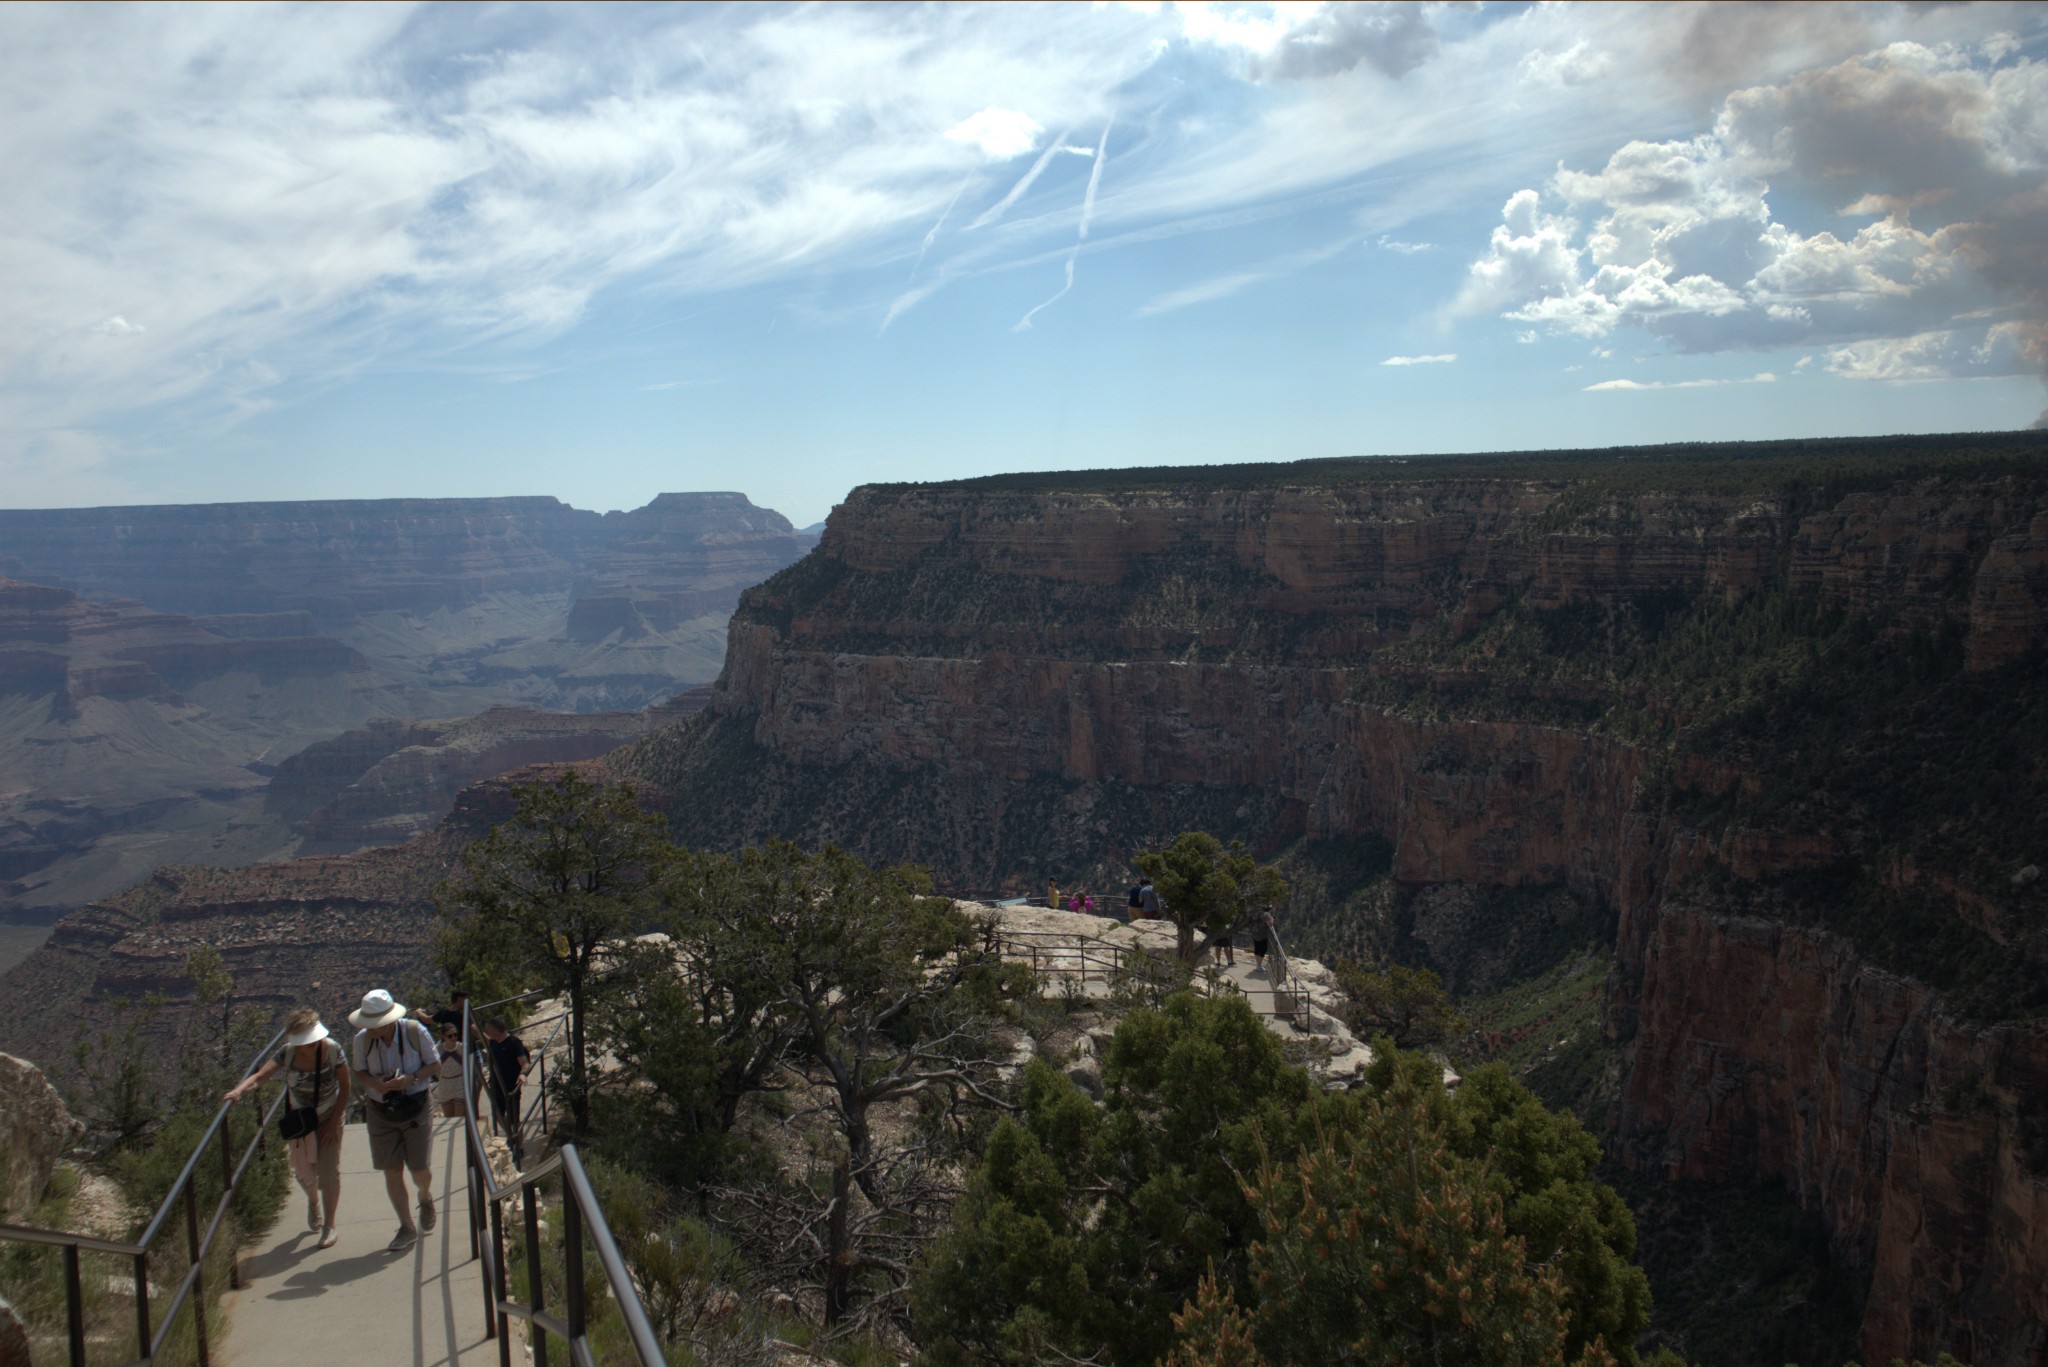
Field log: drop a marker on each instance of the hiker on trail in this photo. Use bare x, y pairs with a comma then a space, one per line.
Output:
1148, 901
448, 1091
396, 1062
450, 1014
1225, 949
509, 1062
315, 1078
1262, 936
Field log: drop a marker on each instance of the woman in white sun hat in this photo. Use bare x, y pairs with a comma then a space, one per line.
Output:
396, 1062
316, 1078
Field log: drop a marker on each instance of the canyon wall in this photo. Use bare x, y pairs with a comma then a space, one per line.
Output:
1011, 679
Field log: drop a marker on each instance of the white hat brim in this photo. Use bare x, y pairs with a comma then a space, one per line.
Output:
312, 1034
367, 1022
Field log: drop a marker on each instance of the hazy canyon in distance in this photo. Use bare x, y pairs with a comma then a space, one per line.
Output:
228, 683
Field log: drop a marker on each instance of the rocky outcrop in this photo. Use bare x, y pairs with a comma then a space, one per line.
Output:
1020, 677
35, 1131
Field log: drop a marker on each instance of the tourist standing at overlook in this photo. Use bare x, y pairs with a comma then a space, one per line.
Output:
316, 1079
1262, 936
396, 1062
1149, 905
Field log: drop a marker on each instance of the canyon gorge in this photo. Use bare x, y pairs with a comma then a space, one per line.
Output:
164, 669
1770, 721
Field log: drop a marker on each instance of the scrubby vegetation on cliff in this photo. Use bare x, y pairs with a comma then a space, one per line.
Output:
817, 1099
1836, 464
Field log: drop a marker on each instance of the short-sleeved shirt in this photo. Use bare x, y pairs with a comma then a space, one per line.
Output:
325, 1075
506, 1056
409, 1050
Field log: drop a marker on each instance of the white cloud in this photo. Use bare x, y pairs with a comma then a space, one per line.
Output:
1680, 239
117, 326
999, 133
1578, 64
1765, 377
2000, 350
1444, 359
1392, 244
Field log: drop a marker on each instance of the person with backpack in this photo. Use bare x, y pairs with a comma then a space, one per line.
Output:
395, 1062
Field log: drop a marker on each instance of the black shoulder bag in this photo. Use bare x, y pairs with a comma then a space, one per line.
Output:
405, 1105
299, 1121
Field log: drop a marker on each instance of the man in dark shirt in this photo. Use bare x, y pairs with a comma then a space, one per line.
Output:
509, 1062
447, 1015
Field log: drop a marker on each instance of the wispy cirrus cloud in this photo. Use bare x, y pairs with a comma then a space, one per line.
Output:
1444, 358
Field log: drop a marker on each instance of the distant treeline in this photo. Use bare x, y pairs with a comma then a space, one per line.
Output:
1839, 464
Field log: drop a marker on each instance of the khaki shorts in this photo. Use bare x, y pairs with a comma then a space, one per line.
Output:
393, 1141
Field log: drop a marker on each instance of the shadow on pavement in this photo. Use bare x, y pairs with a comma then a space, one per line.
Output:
321, 1277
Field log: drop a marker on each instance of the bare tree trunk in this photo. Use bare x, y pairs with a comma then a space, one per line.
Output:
839, 1255
579, 1078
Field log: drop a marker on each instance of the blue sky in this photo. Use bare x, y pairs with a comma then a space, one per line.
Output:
601, 252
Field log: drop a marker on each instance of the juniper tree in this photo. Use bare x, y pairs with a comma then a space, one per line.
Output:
552, 899
1209, 889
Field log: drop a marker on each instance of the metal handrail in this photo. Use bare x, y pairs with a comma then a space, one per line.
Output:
580, 1208
1044, 950
193, 1285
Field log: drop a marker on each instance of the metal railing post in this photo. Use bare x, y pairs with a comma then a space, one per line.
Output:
198, 1272
142, 1305
74, 1305
536, 1284
227, 1187
572, 1257
476, 1196
503, 1321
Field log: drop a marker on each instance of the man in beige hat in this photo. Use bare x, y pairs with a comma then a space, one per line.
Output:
396, 1061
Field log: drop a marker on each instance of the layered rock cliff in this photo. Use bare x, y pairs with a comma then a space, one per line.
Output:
1741, 698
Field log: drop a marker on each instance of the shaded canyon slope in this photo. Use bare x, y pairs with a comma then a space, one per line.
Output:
157, 665
318, 930
1778, 709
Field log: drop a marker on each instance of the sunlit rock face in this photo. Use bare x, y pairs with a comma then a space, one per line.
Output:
1015, 678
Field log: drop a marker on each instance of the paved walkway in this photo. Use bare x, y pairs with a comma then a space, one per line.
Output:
355, 1302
